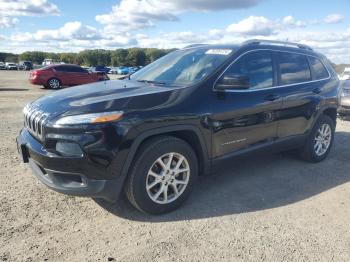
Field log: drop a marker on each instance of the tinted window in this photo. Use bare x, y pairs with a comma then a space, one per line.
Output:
75, 69
257, 66
294, 68
60, 68
320, 72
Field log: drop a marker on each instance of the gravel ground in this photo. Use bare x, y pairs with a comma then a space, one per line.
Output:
270, 208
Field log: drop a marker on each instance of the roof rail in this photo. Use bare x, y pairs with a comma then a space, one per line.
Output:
194, 45
273, 42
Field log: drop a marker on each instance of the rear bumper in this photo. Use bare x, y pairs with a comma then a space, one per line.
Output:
63, 174
36, 81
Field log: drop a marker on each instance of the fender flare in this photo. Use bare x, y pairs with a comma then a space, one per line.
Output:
159, 131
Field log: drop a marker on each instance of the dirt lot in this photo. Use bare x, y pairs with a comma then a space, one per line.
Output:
270, 208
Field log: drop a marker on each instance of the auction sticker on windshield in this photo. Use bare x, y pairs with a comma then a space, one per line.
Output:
218, 52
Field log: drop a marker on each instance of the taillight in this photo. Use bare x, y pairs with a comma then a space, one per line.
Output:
34, 74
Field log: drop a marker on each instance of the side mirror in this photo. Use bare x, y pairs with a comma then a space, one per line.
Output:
233, 81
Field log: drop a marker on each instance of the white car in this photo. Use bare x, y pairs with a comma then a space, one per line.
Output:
11, 66
346, 74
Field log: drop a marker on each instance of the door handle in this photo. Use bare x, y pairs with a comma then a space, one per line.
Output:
271, 97
316, 90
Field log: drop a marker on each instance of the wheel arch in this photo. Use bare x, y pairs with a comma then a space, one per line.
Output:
331, 112
190, 134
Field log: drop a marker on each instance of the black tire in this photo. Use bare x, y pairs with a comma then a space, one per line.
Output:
308, 152
149, 152
51, 83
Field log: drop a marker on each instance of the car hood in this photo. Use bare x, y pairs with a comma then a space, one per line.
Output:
102, 96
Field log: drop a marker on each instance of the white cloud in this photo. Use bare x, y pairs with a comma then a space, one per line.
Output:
75, 36
290, 21
27, 8
253, 25
262, 26
334, 18
7, 22
210, 5
139, 14
72, 36
69, 31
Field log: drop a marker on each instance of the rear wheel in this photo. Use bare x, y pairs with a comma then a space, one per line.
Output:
54, 83
320, 140
162, 176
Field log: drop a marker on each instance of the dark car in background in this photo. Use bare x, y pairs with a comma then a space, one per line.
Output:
25, 65
2, 66
57, 76
99, 69
344, 109
151, 134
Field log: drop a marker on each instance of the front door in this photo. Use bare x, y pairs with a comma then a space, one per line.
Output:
246, 118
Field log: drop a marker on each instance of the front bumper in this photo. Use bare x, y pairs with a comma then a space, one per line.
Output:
64, 174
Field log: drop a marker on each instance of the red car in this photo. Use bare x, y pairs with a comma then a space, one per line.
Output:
56, 76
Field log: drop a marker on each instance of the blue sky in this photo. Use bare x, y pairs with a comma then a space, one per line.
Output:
61, 25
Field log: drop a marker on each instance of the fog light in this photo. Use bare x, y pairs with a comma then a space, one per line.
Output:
68, 149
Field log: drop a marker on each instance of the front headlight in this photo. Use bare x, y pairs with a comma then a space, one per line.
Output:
90, 118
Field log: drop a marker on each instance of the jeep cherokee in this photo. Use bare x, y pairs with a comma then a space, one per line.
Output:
152, 133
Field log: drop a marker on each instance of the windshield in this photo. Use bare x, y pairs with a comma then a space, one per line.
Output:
183, 67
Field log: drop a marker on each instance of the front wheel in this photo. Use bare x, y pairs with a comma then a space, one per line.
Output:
162, 175
320, 140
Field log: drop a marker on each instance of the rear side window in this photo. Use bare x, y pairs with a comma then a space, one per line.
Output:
257, 66
294, 68
320, 72
60, 69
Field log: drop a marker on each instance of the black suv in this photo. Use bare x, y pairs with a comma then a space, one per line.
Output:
25, 65
152, 133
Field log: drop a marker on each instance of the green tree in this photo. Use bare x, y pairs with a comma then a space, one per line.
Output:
152, 54
119, 57
136, 57
70, 58
11, 58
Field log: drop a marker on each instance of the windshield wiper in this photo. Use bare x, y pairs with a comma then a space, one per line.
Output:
151, 82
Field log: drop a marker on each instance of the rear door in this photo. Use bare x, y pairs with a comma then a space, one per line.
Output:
303, 80
81, 75
60, 72
76, 75
243, 119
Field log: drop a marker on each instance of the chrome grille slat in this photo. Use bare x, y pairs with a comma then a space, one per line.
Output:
34, 120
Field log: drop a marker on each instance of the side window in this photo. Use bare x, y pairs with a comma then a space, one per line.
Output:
60, 68
257, 65
71, 69
320, 72
294, 68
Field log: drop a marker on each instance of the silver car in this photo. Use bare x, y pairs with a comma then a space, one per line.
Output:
344, 108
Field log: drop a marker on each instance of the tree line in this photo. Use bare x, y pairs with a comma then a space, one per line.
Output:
119, 57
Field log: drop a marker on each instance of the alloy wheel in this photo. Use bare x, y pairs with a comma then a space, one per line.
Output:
167, 178
54, 83
323, 139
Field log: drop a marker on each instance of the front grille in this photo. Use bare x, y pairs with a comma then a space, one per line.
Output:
34, 121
